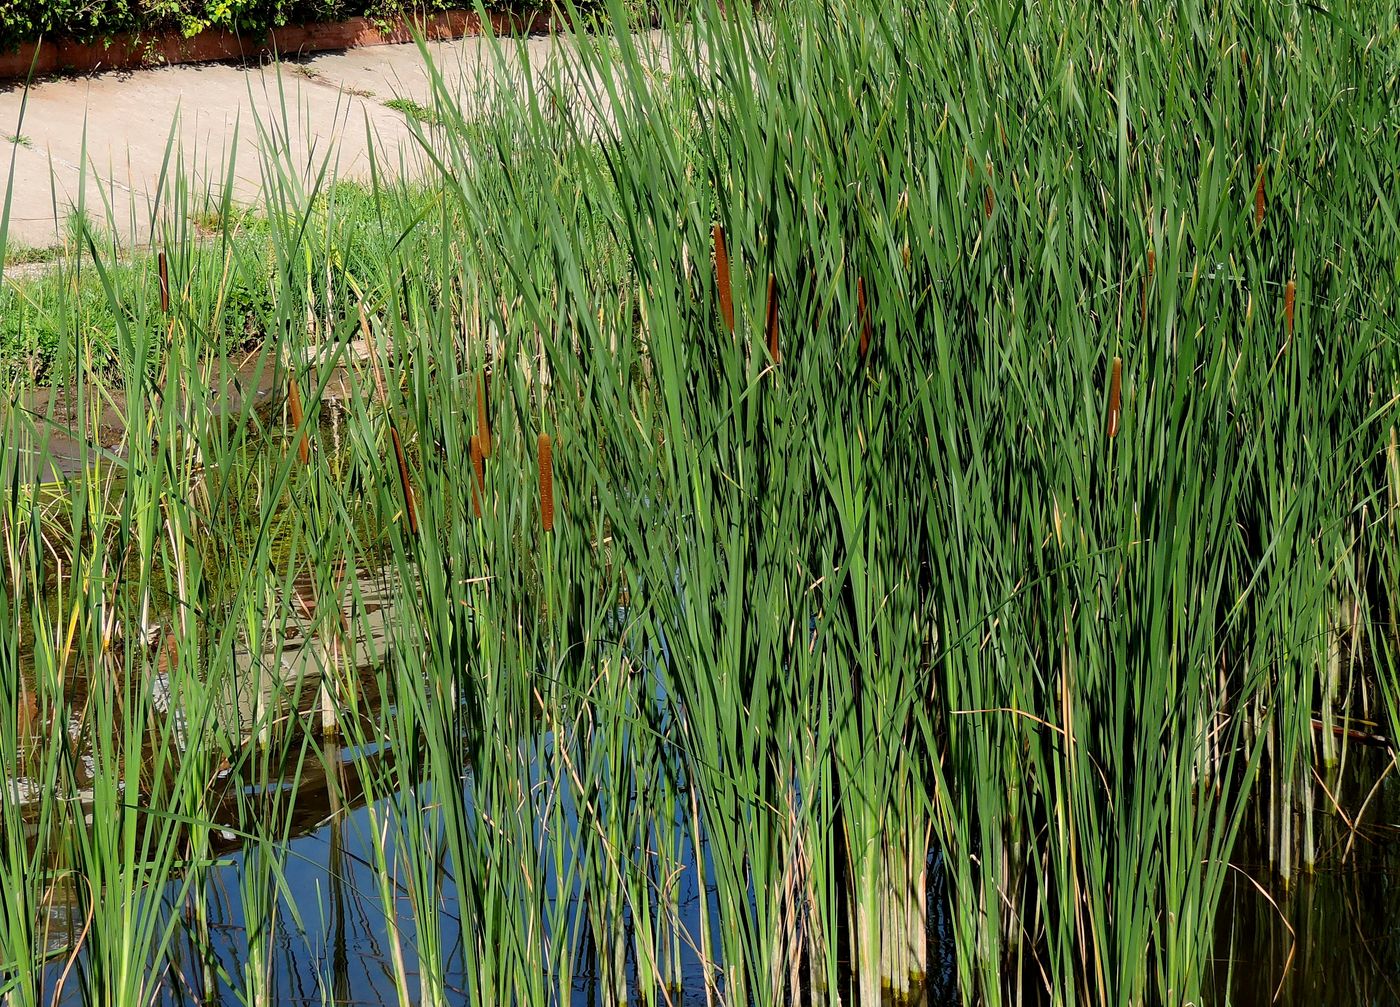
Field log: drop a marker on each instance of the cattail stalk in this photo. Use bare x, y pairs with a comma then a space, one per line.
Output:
546, 458
1260, 199
294, 405
478, 475
988, 202
483, 423
773, 349
1290, 294
164, 272
1115, 397
726, 293
863, 316
406, 483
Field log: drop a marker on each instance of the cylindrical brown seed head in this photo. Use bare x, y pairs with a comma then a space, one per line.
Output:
163, 270
1260, 199
483, 421
546, 457
1290, 294
726, 293
1115, 397
1151, 261
294, 407
988, 202
478, 475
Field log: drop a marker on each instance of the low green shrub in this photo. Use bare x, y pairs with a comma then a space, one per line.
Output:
24, 20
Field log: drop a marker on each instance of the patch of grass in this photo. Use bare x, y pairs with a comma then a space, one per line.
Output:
19, 140
413, 110
30, 255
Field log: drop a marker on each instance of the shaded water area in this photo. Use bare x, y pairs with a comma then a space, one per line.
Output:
1331, 935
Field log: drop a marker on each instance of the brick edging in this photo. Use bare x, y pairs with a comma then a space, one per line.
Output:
129, 51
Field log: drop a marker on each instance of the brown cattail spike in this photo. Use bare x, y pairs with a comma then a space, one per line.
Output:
294, 406
726, 293
483, 422
773, 349
478, 475
546, 456
988, 202
164, 272
1290, 295
863, 316
405, 483
1260, 200
1115, 397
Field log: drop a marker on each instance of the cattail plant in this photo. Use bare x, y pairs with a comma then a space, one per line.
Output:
1115, 397
483, 422
1260, 199
1290, 293
478, 474
726, 293
294, 406
546, 461
405, 482
163, 270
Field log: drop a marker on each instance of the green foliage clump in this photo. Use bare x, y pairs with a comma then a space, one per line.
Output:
24, 20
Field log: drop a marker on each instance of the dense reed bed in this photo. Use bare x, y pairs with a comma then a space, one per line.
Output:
813, 458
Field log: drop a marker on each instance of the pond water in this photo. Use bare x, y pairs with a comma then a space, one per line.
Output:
1331, 937
1339, 946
